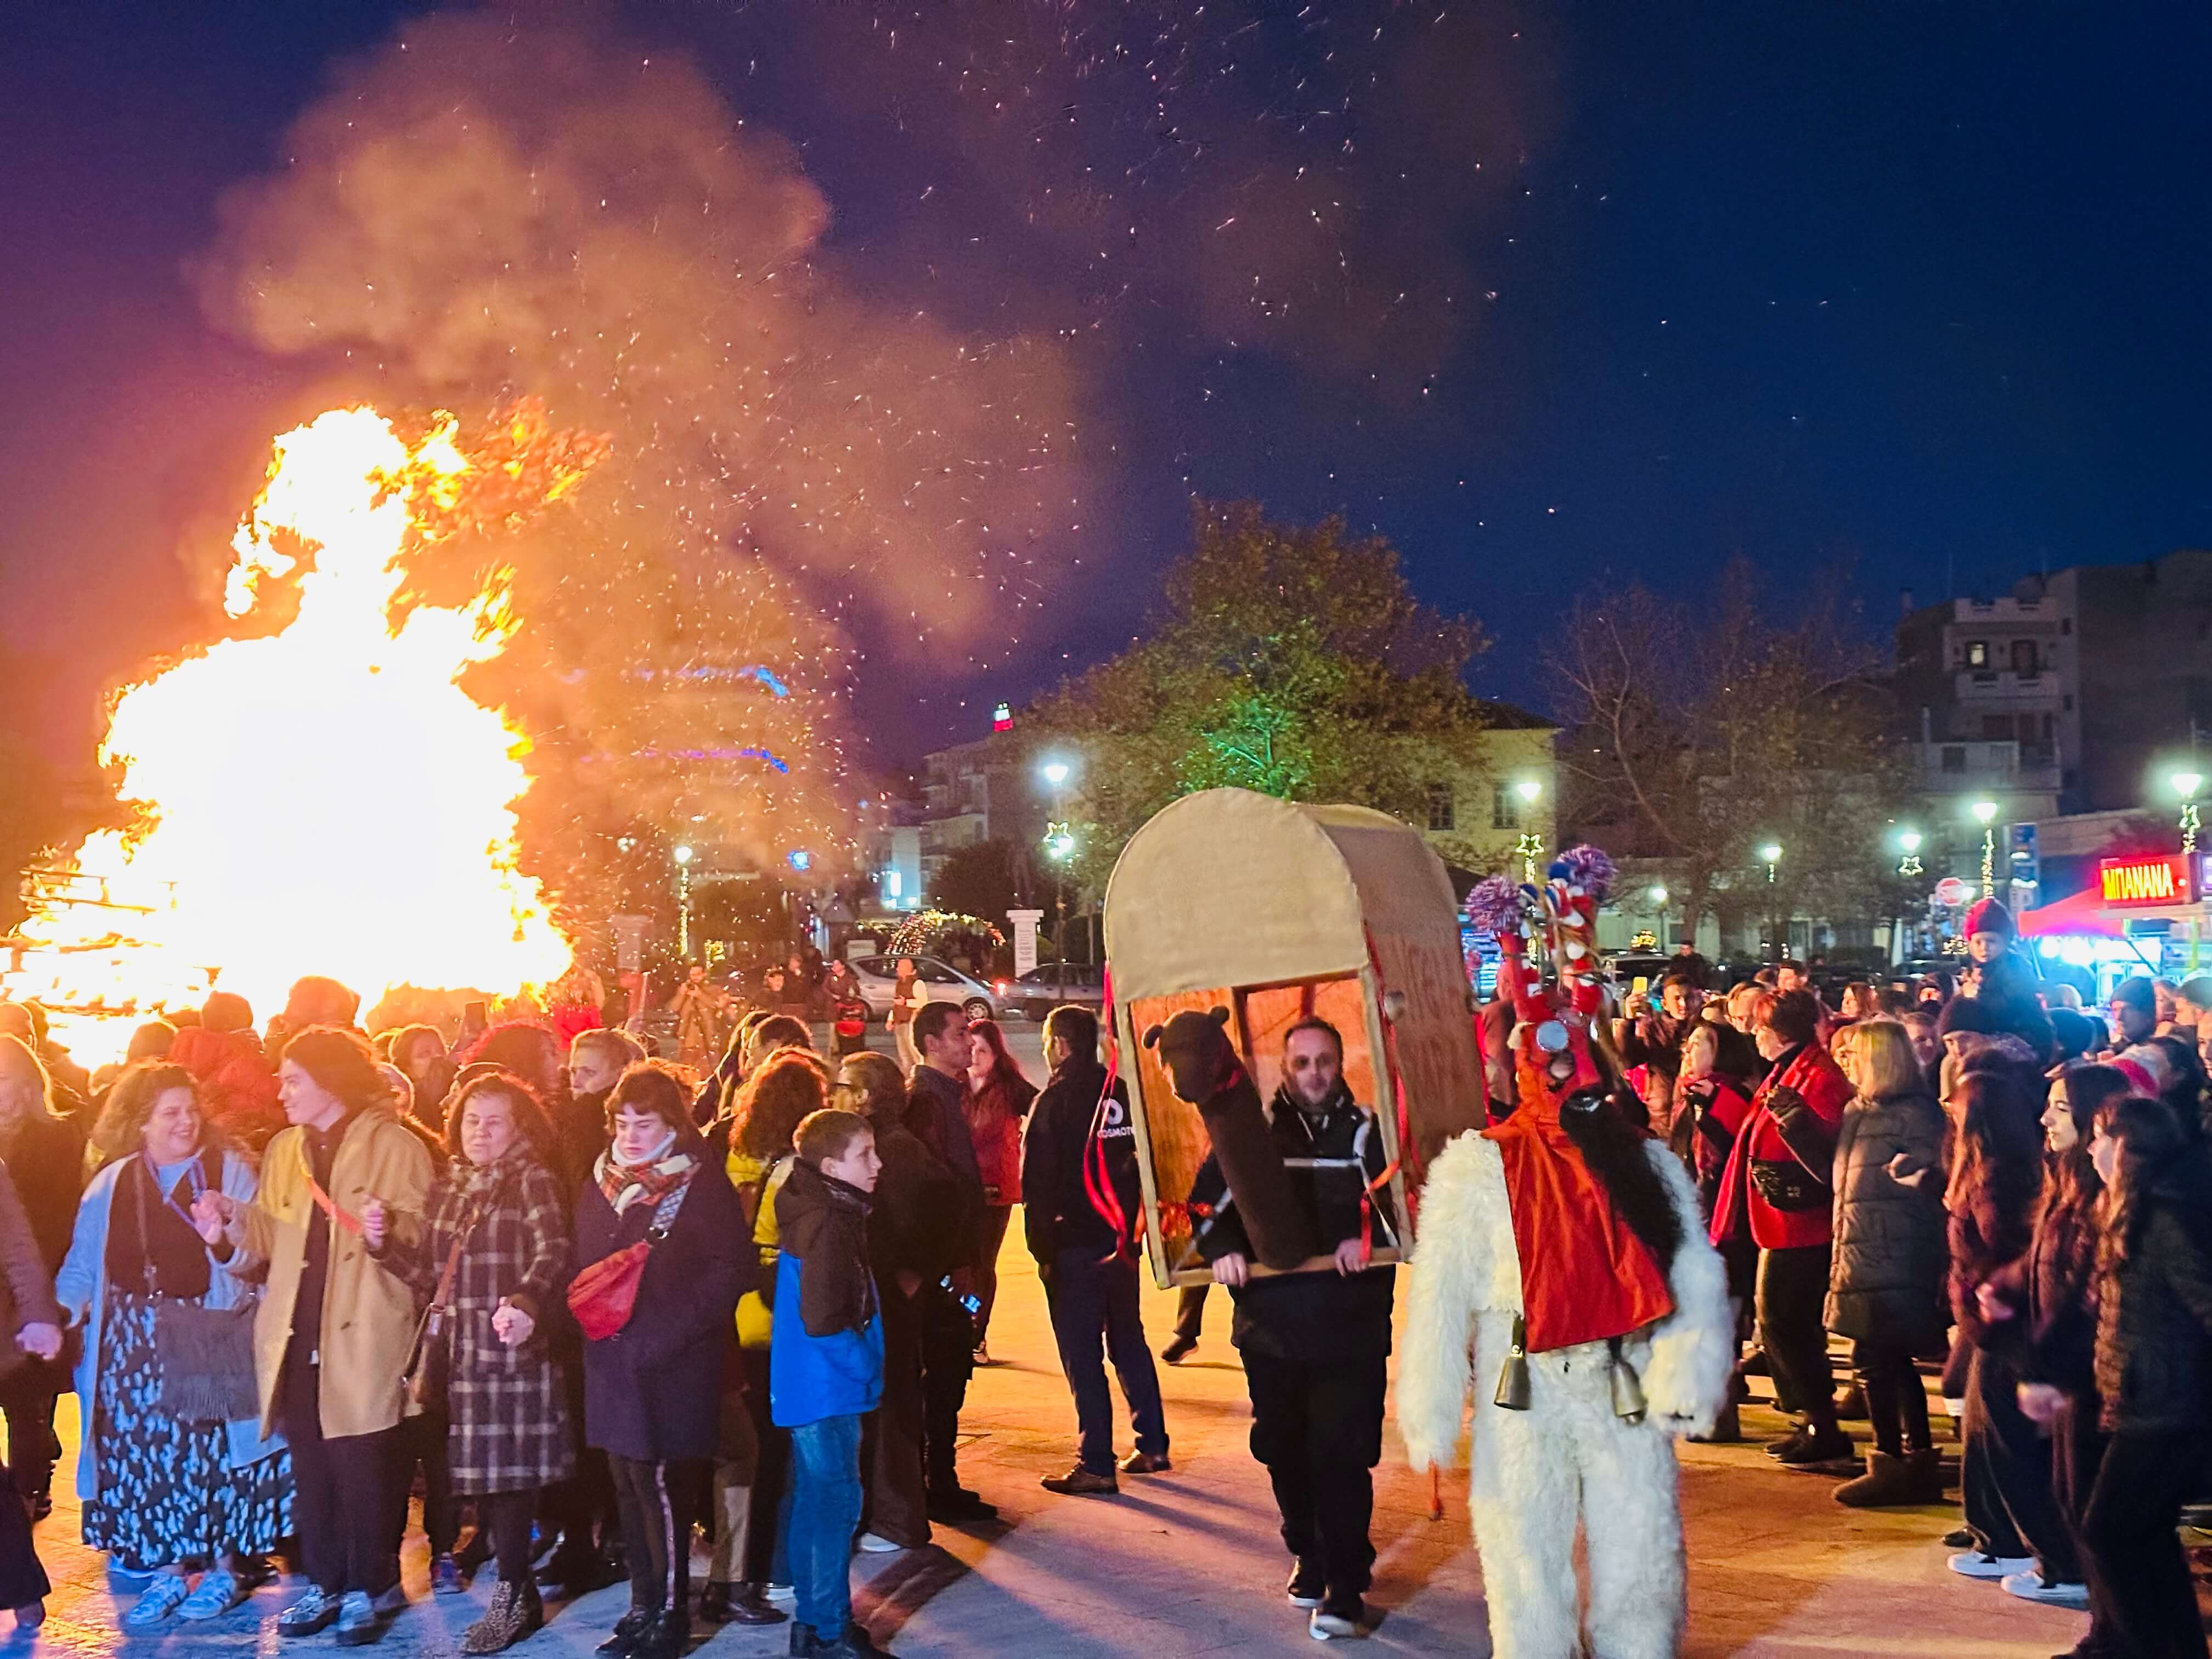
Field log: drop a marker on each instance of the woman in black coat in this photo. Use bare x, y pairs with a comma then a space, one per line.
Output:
2043, 1320
2153, 1366
652, 1390
1885, 1281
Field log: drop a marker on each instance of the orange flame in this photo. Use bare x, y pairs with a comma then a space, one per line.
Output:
325, 799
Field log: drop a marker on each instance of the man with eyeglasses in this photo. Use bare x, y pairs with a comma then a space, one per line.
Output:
1315, 1344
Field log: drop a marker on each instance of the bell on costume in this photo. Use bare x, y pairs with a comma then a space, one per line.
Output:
1628, 1402
1513, 1377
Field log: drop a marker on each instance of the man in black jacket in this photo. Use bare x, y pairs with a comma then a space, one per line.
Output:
1315, 1344
1089, 1281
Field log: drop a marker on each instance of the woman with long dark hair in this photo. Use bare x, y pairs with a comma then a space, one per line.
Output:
2154, 1366
1997, 1182
999, 1099
44, 1152
651, 1387
2044, 1323
490, 1253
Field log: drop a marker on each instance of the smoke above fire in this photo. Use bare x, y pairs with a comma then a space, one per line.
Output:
477, 212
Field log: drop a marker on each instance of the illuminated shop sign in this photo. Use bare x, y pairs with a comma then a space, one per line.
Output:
2147, 881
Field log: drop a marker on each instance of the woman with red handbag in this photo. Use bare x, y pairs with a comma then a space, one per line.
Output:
662, 1255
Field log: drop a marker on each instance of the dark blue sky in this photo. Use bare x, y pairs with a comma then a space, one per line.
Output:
1920, 288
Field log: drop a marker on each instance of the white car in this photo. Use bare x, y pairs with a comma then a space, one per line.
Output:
940, 982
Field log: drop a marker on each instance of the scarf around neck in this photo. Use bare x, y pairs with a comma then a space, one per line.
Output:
624, 1184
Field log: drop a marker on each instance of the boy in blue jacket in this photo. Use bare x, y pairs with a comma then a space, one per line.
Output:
826, 1367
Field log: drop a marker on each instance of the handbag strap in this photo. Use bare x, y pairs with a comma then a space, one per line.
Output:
663, 1213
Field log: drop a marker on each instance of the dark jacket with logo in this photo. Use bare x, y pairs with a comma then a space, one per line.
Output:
1057, 1213
1316, 1318
2154, 1311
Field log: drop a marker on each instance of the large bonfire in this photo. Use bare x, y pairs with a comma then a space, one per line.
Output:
321, 796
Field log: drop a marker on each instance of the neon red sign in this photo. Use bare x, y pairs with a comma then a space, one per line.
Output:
2146, 881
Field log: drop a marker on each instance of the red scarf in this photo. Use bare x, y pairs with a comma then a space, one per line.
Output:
624, 1184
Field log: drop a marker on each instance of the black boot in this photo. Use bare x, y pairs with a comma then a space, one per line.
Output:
666, 1637
628, 1631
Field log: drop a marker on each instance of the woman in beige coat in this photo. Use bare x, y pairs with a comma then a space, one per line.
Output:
335, 1332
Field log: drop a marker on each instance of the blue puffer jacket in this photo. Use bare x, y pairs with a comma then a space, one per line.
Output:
826, 1355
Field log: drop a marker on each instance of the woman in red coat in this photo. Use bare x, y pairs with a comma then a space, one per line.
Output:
1776, 1188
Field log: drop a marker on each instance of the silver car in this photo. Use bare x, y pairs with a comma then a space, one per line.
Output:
940, 982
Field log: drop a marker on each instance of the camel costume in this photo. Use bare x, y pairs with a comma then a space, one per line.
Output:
1619, 1350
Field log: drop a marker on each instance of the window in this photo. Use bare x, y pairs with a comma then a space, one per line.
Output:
1978, 654
934, 973
2023, 656
1954, 757
2066, 703
2066, 624
1997, 728
1442, 810
1505, 808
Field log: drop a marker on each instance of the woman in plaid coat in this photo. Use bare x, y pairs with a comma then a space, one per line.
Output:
497, 1215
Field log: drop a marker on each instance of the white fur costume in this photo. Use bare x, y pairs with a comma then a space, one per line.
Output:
1568, 1458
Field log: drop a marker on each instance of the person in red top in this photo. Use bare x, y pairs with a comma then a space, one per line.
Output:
998, 1104
1776, 1188
238, 1086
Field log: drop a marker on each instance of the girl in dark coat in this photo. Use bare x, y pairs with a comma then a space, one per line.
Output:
2045, 1322
652, 1390
1885, 1283
2153, 1366
495, 1213
1996, 1179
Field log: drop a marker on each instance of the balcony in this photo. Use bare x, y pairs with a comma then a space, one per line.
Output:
2006, 685
1983, 768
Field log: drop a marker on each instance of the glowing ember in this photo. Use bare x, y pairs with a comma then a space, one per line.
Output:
323, 800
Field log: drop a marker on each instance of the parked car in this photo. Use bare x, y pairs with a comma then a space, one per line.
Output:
941, 981
1049, 984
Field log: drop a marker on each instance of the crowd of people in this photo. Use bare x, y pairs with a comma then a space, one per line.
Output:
600, 1301
603, 1303
1977, 1174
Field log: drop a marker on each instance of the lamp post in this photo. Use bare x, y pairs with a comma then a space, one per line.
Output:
1770, 855
1985, 813
1908, 842
2185, 784
681, 855
1059, 845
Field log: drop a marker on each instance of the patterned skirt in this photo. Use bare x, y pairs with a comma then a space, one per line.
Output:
167, 1490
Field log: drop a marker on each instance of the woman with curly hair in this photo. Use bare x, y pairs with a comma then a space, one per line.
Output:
487, 1254
752, 1454
999, 1099
173, 1470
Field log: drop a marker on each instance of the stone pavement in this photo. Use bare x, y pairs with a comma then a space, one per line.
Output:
1189, 1564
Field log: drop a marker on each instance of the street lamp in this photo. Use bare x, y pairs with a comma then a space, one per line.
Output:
1659, 898
1985, 811
1770, 855
681, 855
1908, 842
1054, 773
2185, 784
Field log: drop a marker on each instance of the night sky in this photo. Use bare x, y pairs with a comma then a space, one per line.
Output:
1549, 296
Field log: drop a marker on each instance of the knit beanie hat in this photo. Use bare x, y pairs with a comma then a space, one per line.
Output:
1988, 917
2136, 992
2146, 1068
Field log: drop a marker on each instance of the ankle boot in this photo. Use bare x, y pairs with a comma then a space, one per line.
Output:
515, 1612
1888, 1483
1926, 1469
667, 1637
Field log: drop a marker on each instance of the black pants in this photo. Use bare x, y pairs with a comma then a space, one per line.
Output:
507, 1516
349, 1499
1094, 1310
1190, 1311
422, 1440
770, 1475
27, 1399
1793, 1289
2004, 1474
658, 1501
1897, 1406
1319, 1431
948, 1359
22, 1577
2139, 1590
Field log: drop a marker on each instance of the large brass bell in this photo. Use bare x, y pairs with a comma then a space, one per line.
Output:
1628, 1402
1513, 1377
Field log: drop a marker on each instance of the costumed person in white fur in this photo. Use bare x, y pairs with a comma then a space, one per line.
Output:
1563, 1260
